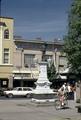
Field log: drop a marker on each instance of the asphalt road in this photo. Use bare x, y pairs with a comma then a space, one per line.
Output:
22, 109
14, 98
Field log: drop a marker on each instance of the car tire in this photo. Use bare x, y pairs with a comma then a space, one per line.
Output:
10, 95
28, 95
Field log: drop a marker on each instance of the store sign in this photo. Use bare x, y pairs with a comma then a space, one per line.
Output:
4, 82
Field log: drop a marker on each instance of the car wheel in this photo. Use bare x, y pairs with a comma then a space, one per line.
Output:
10, 95
28, 95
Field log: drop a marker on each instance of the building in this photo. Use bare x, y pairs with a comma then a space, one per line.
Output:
6, 51
19, 57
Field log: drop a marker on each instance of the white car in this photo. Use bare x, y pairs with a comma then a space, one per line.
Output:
19, 91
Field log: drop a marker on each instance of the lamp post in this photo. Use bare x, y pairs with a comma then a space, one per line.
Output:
55, 51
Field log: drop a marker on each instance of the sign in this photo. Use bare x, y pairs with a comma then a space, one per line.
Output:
4, 82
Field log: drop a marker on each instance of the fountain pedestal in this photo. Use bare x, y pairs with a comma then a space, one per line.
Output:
43, 93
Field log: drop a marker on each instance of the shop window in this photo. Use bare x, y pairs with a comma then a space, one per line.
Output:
29, 60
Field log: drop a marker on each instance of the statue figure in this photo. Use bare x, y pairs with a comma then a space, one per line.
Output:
44, 46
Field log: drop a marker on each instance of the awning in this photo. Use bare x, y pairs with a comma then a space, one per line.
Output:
61, 77
66, 70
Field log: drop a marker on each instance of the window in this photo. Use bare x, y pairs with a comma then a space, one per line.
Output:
62, 60
62, 63
19, 89
29, 60
27, 89
61, 68
6, 56
6, 34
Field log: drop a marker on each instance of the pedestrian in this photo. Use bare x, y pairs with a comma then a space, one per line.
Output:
71, 92
62, 93
69, 89
61, 96
64, 86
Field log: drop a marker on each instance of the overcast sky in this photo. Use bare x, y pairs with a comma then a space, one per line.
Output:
38, 18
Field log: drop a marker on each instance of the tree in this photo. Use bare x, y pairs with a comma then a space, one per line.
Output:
72, 42
51, 72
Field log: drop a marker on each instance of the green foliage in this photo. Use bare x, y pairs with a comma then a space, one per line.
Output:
72, 42
51, 72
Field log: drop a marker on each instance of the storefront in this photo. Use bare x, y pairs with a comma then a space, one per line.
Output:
24, 82
4, 83
23, 79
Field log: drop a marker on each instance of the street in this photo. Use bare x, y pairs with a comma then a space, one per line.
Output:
22, 109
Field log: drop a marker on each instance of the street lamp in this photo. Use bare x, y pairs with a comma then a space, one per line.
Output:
55, 56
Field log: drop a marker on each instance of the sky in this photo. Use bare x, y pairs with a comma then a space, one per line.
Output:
45, 19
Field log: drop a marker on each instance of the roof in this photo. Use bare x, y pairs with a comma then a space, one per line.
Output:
37, 41
6, 17
63, 77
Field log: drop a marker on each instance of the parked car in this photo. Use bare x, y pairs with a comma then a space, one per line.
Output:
19, 91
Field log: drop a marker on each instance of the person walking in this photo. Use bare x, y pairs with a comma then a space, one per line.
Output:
62, 92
